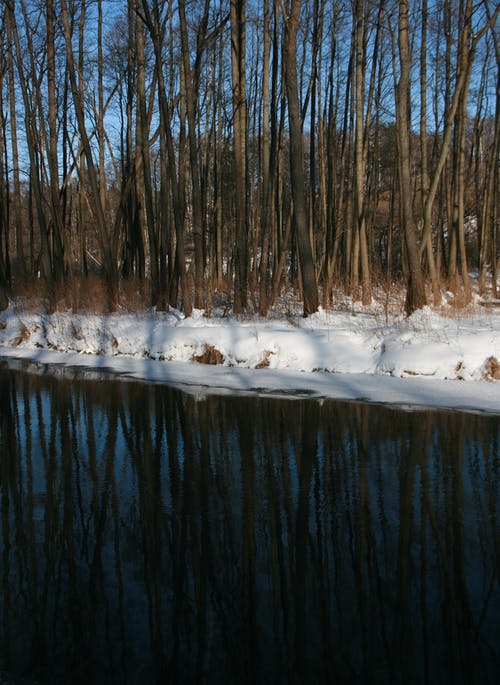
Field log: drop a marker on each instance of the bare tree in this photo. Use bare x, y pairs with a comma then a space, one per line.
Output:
415, 297
308, 275
108, 249
55, 198
4, 185
155, 20
259, 149
191, 92
362, 124
238, 72
16, 199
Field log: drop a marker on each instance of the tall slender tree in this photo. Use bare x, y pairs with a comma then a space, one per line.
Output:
191, 87
307, 271
415, 287
240, 125
4, 192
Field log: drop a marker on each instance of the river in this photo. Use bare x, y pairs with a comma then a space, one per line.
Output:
151, 536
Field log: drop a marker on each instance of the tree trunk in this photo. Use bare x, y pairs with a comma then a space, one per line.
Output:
238, 67
156, 29
360, 154
34, 151
415, 293
142, 128
55, 201
16, 200
191, 80
265, 188
108, 251
5, 276
424, 155
309, 285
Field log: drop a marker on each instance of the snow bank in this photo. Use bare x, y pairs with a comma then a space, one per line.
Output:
427, 345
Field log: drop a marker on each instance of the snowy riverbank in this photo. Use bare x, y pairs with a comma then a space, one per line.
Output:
428, 359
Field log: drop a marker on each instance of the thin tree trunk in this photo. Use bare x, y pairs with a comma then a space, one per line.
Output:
266, 190
415, 293
360, 155
423, 153
156, 29
490, 208
16, 200
34, 152
464, 65
191, 81
5, 275
238, 68
309, 285
109, 254
100, 104
56, 210
142, 133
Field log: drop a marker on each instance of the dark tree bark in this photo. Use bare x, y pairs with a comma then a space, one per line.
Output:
191, 92
156, 28
55, 198
142, 137
44, 263
16, 199
4, 196
238, 69
265, 188
308, 275
108, 249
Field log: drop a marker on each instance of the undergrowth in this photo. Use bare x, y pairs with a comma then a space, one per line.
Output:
90, 295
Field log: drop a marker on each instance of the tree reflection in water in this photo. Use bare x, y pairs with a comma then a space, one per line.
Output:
147, 536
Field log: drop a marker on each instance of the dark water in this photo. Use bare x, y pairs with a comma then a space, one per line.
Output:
149, 537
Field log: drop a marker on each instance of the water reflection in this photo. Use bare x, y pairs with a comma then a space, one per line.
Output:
148, 537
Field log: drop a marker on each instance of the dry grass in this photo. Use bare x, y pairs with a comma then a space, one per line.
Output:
90, 294
264, 362
24, 334
210, 355
492, 369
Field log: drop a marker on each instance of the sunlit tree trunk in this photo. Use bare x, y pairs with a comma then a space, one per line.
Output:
490, 247
488, 257
238, 68
360, 151
424, 153
415, 294
308, 276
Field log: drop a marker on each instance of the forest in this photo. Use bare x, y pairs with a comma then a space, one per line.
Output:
206, 151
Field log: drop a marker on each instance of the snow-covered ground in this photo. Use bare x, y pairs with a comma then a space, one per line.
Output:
446, 359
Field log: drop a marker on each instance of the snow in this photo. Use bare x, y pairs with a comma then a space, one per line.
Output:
432, 359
